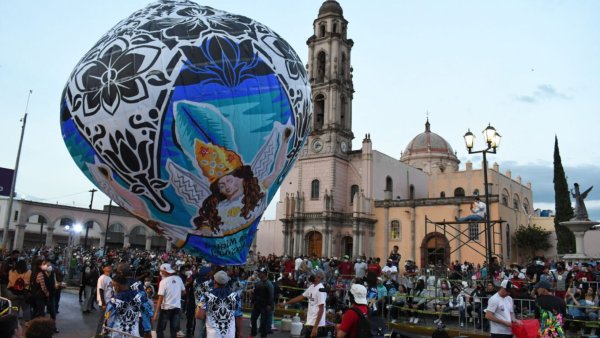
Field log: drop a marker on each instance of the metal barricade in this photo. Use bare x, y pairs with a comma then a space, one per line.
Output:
4, 311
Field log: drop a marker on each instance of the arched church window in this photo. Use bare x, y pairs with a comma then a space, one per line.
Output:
314, 189
504, 199
395, 230
319, 112
334, 30
321, 67
443, 194
411, 192
476, 192
322, 30
516, 202
389, 184
459, 192
353, 192
526, 205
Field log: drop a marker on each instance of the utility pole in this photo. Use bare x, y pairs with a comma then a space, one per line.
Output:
107, 226
87, 225
14, 179
92, 200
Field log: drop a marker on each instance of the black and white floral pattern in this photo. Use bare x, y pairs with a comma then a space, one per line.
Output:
120, 91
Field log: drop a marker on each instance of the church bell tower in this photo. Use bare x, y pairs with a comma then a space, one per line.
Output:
330, 77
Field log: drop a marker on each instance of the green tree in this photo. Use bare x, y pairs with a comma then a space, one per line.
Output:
532, 238
562, 206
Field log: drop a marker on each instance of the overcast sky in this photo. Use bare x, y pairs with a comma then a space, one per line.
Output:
530, 68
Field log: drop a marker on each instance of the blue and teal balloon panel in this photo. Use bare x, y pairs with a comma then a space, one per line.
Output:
189, 118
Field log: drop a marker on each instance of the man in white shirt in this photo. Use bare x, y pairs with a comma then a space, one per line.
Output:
104, 292
500, 312
390, 270
477, 212
360, 268
315, 317
168, 307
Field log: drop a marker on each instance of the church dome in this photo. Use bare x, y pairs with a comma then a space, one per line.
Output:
428, 151
331, 7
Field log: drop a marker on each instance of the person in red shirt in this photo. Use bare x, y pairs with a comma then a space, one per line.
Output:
375, 267
289, 265
349, 325
346, 269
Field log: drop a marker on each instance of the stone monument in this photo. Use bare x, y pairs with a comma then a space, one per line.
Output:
579, 224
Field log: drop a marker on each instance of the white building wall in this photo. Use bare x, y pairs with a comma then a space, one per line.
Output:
402, 176
269, 238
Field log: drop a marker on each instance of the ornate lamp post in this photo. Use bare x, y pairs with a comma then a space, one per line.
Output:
492, 140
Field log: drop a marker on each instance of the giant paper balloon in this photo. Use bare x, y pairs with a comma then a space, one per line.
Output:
189, 118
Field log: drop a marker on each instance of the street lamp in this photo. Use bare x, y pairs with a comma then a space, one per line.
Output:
492, 140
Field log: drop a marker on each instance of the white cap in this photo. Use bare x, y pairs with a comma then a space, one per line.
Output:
167, 268
360, 294
506, 284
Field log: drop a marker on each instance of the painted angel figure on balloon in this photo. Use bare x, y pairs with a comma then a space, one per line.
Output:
229, 193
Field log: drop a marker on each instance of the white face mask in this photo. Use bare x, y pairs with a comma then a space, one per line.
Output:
49, 268
147, 284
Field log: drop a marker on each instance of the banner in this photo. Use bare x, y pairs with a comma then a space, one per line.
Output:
6, 177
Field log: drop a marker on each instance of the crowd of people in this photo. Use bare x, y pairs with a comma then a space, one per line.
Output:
136, 291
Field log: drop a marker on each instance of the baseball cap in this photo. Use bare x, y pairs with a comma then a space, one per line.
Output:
221, 277
318, 273
506, 284
262, 270
544, 284
360, 294
167, 268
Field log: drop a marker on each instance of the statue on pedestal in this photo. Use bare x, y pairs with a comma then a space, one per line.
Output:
581, 213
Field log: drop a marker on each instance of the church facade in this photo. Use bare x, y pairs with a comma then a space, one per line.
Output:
343, 198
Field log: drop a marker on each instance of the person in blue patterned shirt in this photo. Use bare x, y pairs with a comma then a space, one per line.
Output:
221, 308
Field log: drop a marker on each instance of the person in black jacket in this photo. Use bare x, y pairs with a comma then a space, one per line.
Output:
89, 279
263, 303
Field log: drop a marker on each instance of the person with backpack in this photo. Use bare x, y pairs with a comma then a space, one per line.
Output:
354, 322
19, 279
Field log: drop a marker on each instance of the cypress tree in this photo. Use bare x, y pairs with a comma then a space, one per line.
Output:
562, 206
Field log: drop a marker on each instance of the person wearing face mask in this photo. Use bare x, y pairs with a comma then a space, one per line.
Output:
89, 280
561, 276
44, 288
346, 270
390, 270
375, 266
